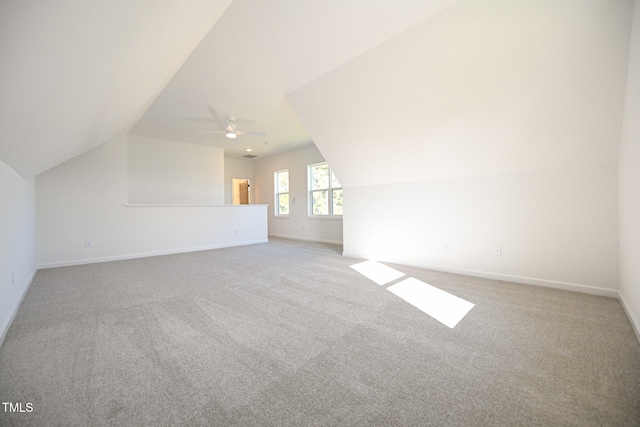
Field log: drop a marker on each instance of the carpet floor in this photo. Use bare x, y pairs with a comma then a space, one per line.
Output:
286, 334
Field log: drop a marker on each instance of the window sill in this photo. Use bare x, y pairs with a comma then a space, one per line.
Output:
324, 217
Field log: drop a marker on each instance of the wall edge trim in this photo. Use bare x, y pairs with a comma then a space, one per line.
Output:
71, 263
555, 284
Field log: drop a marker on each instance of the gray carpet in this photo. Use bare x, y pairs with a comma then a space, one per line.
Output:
285, 334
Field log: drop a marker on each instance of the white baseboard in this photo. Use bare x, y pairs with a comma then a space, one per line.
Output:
567, 286
145, 254
15, 310
556, 284
306, 239
635, 323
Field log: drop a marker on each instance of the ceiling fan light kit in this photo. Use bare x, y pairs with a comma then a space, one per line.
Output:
228, 126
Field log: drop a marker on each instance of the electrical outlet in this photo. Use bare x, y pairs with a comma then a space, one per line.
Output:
447, 246
88, 243
497, 251
13, 277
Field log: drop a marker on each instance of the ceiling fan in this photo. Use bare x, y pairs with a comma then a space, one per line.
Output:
230, 126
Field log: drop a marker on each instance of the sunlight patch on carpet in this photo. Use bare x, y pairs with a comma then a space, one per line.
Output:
442, 306
379, 273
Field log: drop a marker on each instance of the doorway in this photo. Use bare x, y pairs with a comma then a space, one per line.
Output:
241, 191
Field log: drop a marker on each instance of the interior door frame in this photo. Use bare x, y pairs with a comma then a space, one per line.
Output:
235, 190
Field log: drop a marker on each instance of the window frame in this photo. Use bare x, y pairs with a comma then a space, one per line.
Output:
330, 189
277, 193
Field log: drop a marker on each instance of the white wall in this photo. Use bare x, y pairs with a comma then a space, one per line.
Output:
17, 242
241, 169
493, 123
85, 197
170, 172
630, 183
556, 228
298, 225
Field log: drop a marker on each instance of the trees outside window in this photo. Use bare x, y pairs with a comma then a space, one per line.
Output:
281, 187
325, 191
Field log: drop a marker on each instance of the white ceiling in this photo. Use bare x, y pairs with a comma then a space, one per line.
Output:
74, 74
257, 53
389, 91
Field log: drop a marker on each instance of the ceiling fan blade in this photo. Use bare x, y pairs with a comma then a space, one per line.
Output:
251, 133
214, 113
215, 118
244, 121
226, 124
198, 119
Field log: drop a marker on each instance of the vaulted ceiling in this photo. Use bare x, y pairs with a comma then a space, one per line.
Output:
74, 74
485, 87
389, 90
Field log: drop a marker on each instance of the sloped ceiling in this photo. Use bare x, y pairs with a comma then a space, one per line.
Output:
389, 91
257, 53
75, 73
485, 87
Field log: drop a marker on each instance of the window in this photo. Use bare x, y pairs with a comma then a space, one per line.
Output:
281, 188
325, 191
